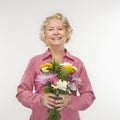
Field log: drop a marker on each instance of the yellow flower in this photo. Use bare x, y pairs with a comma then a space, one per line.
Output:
69, 67
46, 67
47, 64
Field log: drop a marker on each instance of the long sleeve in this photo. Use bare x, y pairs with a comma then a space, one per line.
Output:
29, 90
86, 97
25, 93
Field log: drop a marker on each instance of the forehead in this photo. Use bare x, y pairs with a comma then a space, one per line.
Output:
54, 22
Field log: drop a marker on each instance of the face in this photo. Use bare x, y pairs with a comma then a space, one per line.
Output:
55, 33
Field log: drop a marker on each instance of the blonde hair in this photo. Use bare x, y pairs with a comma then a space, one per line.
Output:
58, 16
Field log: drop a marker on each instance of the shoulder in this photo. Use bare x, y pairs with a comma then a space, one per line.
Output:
36, 58
74, 58
79, 64
77, 59
40, 56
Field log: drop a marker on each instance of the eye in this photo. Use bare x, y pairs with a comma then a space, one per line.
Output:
60, 28
50, 29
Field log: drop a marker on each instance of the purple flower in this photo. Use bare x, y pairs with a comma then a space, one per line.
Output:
44, 78
74, 82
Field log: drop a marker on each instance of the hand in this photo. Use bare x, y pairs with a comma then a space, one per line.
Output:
63, 102
48, 100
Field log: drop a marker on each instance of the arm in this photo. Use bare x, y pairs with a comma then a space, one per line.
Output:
25, 93
86, 97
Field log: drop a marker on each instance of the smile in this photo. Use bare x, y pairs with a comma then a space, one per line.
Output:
56, 38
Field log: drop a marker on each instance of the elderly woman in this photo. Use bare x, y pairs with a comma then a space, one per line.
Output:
55, 33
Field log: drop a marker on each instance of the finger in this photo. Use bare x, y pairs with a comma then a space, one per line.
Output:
52, 103
49, 106
52, 95
62, 96
60, 106
47, 101
51, 100
59, 103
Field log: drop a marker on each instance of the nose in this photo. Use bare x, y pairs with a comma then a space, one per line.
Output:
56, 31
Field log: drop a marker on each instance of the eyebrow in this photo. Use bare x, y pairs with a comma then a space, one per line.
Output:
52, 26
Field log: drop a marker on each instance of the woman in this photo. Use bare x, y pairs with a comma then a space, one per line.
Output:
55, 32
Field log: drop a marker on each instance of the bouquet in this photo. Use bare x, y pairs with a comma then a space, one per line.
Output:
58, 79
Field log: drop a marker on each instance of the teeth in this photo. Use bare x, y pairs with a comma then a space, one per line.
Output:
56, 38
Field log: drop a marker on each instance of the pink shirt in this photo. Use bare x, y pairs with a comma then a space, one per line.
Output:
31, 99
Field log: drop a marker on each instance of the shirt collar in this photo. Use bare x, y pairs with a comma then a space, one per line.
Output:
47, 54
68, 55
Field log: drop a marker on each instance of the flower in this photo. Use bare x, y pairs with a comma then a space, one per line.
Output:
74, 82
69, 67
44, 78
58, 79
46, 67
48, 64
62, 85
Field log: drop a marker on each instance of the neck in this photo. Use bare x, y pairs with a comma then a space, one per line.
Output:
57, 53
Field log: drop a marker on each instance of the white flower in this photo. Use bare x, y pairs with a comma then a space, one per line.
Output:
72, 86
66, 63
61, 85
45, 69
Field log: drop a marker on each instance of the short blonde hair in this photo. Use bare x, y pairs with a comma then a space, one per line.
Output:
58, 16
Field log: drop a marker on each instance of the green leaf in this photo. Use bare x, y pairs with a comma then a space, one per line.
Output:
56, 66
47, 90
63, 74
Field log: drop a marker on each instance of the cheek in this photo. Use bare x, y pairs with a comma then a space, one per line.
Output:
64, 33
47, 35
65, 36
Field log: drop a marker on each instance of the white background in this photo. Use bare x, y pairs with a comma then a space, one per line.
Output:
95, 40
